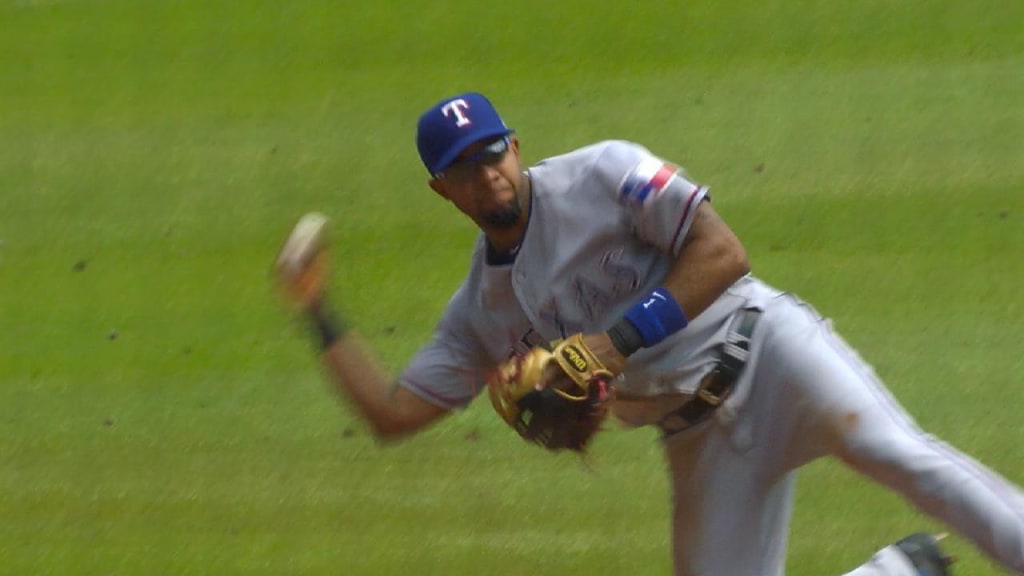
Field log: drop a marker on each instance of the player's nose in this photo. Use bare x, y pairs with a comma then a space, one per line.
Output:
488, 172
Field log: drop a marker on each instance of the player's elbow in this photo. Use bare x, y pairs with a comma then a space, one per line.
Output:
732, 258
405, 415
388, 430
739, 261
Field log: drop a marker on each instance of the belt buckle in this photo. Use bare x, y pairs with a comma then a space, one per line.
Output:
711, 398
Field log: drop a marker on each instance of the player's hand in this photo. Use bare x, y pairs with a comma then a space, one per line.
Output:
601, 346
300, 270
597, 347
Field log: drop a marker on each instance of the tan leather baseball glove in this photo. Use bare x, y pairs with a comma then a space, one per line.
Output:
557, 399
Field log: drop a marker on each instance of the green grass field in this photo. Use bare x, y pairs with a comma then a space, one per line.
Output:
160, 414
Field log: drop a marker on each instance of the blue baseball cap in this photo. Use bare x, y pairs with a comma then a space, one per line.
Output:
451, 125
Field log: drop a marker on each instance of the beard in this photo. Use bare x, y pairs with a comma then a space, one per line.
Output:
506, 217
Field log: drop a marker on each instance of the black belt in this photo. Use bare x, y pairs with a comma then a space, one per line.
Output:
718, 384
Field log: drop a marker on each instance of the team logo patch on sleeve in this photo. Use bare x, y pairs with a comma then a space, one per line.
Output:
647, 180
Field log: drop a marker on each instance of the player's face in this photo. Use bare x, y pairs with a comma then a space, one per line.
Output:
484, 183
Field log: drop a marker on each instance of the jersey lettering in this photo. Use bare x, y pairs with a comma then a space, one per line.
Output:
624, 279
589, 296
458, 108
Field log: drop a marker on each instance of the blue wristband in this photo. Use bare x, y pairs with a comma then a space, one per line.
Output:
657, 317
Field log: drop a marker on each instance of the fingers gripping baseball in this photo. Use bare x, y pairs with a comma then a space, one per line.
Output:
302, 264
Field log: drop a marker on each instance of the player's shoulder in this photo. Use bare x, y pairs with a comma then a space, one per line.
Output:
607, 160
462, 300
599, 153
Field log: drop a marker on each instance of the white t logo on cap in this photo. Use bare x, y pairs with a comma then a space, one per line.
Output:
456, 107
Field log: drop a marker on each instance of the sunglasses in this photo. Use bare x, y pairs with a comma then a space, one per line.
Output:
466, 166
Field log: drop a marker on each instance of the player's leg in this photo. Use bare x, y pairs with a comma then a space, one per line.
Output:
725, 520
732, 482
733, 476
849, 413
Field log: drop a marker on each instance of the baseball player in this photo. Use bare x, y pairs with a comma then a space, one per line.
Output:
618, 256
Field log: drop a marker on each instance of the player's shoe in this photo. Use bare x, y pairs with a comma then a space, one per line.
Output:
924, 553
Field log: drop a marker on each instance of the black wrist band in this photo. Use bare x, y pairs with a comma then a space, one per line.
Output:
327, 326
625, 337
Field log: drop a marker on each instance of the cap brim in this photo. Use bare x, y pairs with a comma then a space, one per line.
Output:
465, 142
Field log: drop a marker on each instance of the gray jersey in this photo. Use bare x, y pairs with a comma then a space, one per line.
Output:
606, 223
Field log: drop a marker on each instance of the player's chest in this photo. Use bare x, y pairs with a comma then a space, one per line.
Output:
567, 291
